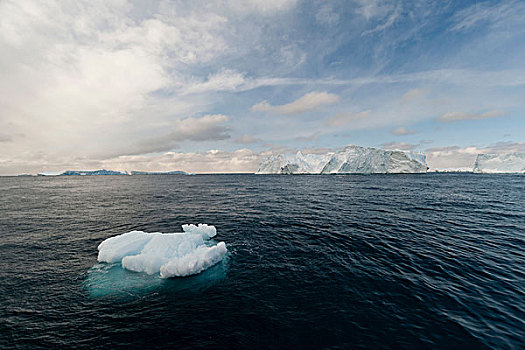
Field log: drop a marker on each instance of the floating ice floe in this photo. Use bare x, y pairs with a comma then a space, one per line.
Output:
169, 254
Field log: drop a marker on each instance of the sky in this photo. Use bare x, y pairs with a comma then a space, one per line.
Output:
217, 86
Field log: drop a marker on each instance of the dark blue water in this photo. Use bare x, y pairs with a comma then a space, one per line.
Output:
415, 261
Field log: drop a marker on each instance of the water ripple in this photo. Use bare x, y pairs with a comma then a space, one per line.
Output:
433, 261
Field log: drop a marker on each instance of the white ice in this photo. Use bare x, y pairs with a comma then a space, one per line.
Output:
500, 163
169, 254
351, 160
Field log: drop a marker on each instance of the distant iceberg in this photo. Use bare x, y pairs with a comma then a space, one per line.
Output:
294, 164
175, 172
111, 172
351, 160
91, 172
168, 254
500, 163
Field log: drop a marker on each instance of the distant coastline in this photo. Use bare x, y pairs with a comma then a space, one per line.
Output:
104, 172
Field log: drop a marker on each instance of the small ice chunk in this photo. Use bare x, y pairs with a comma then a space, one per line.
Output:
115, 248
197, 261
203, 229
170, 254
160, 249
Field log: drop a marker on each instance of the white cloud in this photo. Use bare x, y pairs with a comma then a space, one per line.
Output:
213, 161
308, 138
308, 103
247, 139
208, 127
459, 77
205, 128
327, 16
224, 80
265, 7
501, 13
457, 116
242, 160
402, 131
371, 9
291, 56
387, 24
341, 119
5, 138
413, 94
398, 146
86, 79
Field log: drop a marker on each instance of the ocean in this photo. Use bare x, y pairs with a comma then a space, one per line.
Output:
313, 262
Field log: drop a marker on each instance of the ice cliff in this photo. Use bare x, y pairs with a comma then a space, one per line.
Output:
500, 163
351, 160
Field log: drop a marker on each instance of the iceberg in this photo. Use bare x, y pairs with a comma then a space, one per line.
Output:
294, 164
174, 172
168, 254
351, 160
91, 172
500, 163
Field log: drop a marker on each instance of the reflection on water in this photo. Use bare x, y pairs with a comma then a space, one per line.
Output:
105, 280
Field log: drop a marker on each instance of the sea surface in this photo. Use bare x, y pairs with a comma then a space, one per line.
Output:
341, 262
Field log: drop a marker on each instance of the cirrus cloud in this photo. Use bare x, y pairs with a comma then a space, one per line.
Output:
310, 102
457, 116
402, 131
341, 119
403, 146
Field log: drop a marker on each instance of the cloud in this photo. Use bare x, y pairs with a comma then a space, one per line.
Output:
224, 80
426, 142
94, 71
264, 7
403, 131
205, 128
308, 138
247, 139
231, 80
502, 13
326, 16
371, 9
457, 116
413, 94
387, 24
398, 146
212, 161
308, 103
341, 119
5, 138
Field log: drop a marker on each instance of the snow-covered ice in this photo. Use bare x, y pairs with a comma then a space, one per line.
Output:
500, 163
294, 164
351, 160
169, 254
